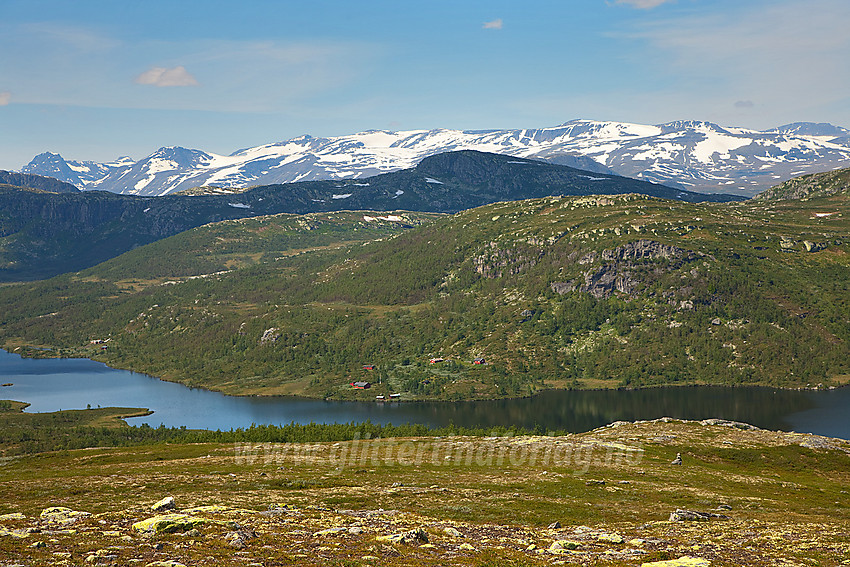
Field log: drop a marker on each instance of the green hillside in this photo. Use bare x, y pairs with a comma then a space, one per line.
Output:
605, 291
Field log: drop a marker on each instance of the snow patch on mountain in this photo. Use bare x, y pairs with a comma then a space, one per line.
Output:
698, 155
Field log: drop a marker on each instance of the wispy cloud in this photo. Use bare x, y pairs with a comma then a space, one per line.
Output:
790, 56
71, 38
644, 4
744, 104
493, 25
162, 77
5, 98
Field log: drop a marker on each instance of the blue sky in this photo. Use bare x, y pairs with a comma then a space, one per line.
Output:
94, 80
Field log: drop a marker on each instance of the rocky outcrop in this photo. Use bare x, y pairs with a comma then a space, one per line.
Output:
562, 287
644, 249
607, 279
270, 336
496, 262
616, 274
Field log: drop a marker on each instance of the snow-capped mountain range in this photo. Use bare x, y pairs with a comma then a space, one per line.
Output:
699, 156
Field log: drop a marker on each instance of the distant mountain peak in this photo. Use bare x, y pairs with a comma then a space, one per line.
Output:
691, 154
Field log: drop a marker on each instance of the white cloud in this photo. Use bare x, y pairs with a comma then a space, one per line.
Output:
162, 77
644, 4
5, 98
494, 25
744, 104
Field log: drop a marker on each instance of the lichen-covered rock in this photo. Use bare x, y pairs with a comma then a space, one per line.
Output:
101, 556
21, 533
169, 523
685, 561
610, 538
12, 516
411, 537
168, 563
208, 509
330, 531
61, 515
563, 545
452, 532
694, 516
166, 503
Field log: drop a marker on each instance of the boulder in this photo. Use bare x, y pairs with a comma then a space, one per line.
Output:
452, 532
610, 538
166, 503
101, 556
563, 545
411, 537
12, 516
169, 523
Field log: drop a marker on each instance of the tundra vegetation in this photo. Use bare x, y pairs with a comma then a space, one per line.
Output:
335, 495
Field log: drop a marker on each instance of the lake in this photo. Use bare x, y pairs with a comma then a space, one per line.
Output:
52, 384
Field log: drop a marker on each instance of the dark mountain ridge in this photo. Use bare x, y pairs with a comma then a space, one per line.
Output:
43, 234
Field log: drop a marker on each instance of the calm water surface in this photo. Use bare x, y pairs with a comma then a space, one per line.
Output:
54, 384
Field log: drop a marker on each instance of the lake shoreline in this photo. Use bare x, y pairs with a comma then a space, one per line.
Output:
251, 394
51, 384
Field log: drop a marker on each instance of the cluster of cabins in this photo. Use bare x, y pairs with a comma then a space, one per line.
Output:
474, 361
364, 385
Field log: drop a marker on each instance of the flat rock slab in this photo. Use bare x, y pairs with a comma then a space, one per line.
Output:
169, 523
685, 561
61, 515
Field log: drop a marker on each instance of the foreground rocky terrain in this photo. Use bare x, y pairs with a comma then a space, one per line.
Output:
612, 496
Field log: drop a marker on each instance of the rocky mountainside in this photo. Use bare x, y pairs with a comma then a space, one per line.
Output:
31, 181
810, 186
45, 234
698, 156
